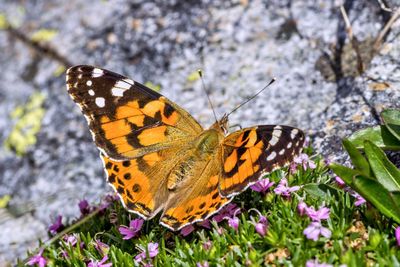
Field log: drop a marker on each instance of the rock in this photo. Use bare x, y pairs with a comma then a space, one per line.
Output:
239, 45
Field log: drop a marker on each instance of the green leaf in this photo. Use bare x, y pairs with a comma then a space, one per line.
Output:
320, 190
358, 160
391, 118
385, 172
345, 173
379, 135
396, 196
378, 196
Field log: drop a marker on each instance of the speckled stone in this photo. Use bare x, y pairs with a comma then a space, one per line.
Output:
240, 46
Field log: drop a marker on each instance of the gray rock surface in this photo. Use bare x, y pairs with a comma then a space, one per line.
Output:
240, 45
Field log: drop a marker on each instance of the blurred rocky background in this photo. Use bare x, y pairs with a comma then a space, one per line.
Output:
327, 83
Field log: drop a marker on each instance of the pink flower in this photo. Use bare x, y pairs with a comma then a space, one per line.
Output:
315, 263
262, 186
261, 226
185, 231
111, 198
318, 215
328, 161
57, 226
101, 247
202, 264
64, 254
102, 263
359, 199
84, 207
152, 249
37, 259
220, 230
133, 229
283, 188
233, 222
227, 211
315, 229
71, 239
205, 224
302, 208
340, 182
397, 235
293, 167
304, 160
207, 245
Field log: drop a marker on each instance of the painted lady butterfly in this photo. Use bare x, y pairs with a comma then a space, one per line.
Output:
159, 159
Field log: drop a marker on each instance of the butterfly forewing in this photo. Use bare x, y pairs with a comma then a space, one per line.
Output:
127, 119
250, 153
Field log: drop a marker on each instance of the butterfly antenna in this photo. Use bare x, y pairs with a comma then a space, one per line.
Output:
208, 96
251, 98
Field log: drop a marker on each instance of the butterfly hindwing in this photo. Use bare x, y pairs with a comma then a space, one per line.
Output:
197, 198
252, 152
142, 182
127, 119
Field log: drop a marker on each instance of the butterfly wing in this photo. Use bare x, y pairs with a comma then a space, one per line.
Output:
250, 153
141, 182
197, 198
127, 119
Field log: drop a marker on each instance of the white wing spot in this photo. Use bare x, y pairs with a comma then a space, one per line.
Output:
281, 152
271, 156
80, 76
100, 102
277, 132
274, 140
122, 84
89, 83
117, 91
91, 92
129, 81
97, 73
293, 133
289, 145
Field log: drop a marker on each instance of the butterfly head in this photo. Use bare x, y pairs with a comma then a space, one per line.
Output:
221, 125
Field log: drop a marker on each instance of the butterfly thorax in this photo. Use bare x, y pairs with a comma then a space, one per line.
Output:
195, 157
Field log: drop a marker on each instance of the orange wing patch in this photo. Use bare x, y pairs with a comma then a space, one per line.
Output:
194, 208
135, 195
252, 152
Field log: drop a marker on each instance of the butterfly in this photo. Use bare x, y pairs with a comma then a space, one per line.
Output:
159, 159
